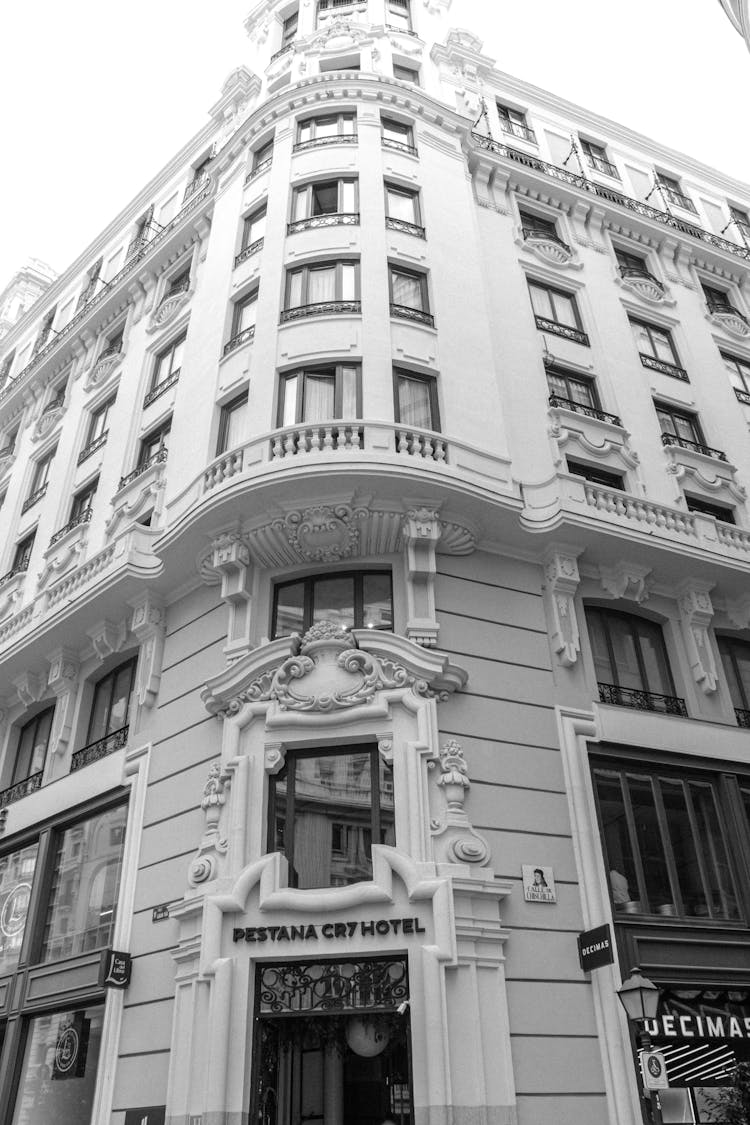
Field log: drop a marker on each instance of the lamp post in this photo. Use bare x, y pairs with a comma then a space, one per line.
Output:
640, 998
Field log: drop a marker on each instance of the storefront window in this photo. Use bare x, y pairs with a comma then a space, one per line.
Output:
327, 808
16, 877
58, 1074
85, 884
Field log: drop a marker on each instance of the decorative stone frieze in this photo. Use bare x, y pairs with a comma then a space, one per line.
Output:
203, 867
454, 838
64, 670
561, 582
149, 625
325, 533
696, 613
63, 555
627, 580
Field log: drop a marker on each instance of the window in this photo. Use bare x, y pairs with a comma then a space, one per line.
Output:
262, 158
244, 315
572, 389
253, 235
168, 364
630, 659
45, 331
154, 445
402, 210
327, 808
39, 480
320, 394
361, 599
656, 349
111, 702
673, 193
80, 1031
33, 743
289, 28
409, 298
232, 423
595, 475
596, 156
9, 443
665, 841
513, 121
741, 220
333, 128
324, 200
113, 343
631, 265
718, 300
90, 283
739, 373
5, 367
735, 658
320, 288
679, 425
22, 553
416, 400
180, 283
395, 134
406, 74
99, 421
399, 15
718, 511
534, 226
83, 500
16, 879
556, 312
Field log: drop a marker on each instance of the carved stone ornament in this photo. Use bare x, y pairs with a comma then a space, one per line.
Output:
561, 582
421, 534
626, 580
732, 322
454, 838
102, 370
212, 845
63, 681
66, 554
46, 422
324, 533
648, 288
696, 613
10, 593
29, 687
168, 310
338, 34
148, 623
107, 638
6, 462
335, 674
549, 250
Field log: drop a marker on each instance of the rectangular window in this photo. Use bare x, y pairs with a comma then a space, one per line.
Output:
22, 554
322, 284
111, 703
320, 394
718, 300
254, 229
673, 193
399, 15
83, 500
718, 511
596, 156
168, 363
741, 220
596, 475
409, 298
357, 600
513, 121
665, 843
395, 134
85, 885
656, 348
39, 480
557, 312
33, 743
416, 400
45, 331
289, 28
572, 388
535, 226
244, 314
232, 423
70, 1042
263, 157
327, 808
402, 208
113, 343
679, 424
154, 445
739, 373
325, 197
735, 658
326, 129
406, 74
16, 879
99, 421
180, 283
631, 663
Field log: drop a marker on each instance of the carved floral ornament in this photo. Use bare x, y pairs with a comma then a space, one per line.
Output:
454, 838
732, 322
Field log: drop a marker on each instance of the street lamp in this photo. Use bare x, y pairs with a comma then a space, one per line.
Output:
640, 999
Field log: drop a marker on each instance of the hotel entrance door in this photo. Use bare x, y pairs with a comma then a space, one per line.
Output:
332, 1044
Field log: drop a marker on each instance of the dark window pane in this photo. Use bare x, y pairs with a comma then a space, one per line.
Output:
617, 843
16, 878
655, 666
377, 602
60, 1045
290, 606
650, 843
683, 848
333, 600
325, 199
32, 746
722, 899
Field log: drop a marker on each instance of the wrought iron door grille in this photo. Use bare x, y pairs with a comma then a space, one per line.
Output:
301, 987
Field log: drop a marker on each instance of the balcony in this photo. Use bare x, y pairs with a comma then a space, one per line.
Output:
156, 459
642, 700
84, 517
20, 789
639, 273
241, 338
399, 146
677, 199
259, 169
281, 52
95, 751
320, 308
421, 443
248, 252
406, 312
405, 227
55, 403
582, 408
323, 142
564, 330
91, 448
580, 182
337, 219
694, 447
546, 235
108, 353
328, 438
193, 187
516, 129
35, 497
20, 569
672, 369
743, 717
599, 164
161, 388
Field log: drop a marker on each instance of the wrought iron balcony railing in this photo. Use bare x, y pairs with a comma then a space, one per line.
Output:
582, 408
141, 241
671, 369
576, 180
547, 235
725, 308
399, 146
55, 403
259, 169
406, 312
695, 446
743, 396
240, 339
193, 187
402, 30
139, 470
640, 272
35, 497
253, 248
516, 129
282, 51
83, 517
21, 568
320, 308
160, 388
322, 142
337, 219
564, 330
677, 198
20, 789
91, 448
599, 164
173, 290
743, 717
405, 227
95, 751
642, 700
113, 349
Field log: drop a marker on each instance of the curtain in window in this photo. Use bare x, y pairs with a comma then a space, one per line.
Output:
318, 405
414, 403
235, 425
321, 285
401, 206
246, 315
407, 290
540, 302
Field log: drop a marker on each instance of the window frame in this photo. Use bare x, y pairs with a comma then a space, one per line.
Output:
341, 136
727, 646
308, 190
671, 188
432, 385
411, 71
721, 513
738, 369
666, 410
308, 597
167, 352
85, 492
514, 122
311, 267
100, 413
225, 418
424, 291
262, 157
316, 371
631, 619
248, 223
413, 195
17, 778
596, 155
568, 377
402, 129
159, 432
22, 552
653, 356
109, 679
595, 475
552, 324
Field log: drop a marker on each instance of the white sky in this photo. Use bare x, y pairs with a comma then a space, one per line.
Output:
97, 96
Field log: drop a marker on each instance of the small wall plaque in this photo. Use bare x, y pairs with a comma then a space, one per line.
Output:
114, 971
538, 884
160, 913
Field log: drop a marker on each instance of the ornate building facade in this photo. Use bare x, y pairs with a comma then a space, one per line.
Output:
374, 614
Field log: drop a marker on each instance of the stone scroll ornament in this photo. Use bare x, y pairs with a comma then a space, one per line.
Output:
455, 840
204, 867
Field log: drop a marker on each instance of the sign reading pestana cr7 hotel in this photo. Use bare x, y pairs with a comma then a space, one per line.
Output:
328, 931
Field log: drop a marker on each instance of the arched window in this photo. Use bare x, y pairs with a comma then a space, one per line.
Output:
631, 662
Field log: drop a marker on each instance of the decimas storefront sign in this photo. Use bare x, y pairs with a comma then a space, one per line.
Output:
699, 1027
328, 931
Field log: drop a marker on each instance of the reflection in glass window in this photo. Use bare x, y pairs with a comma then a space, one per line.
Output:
109, 711
360, 600
58, 1074
629, 651
32, 746
16, 878
85, 885
327, 810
